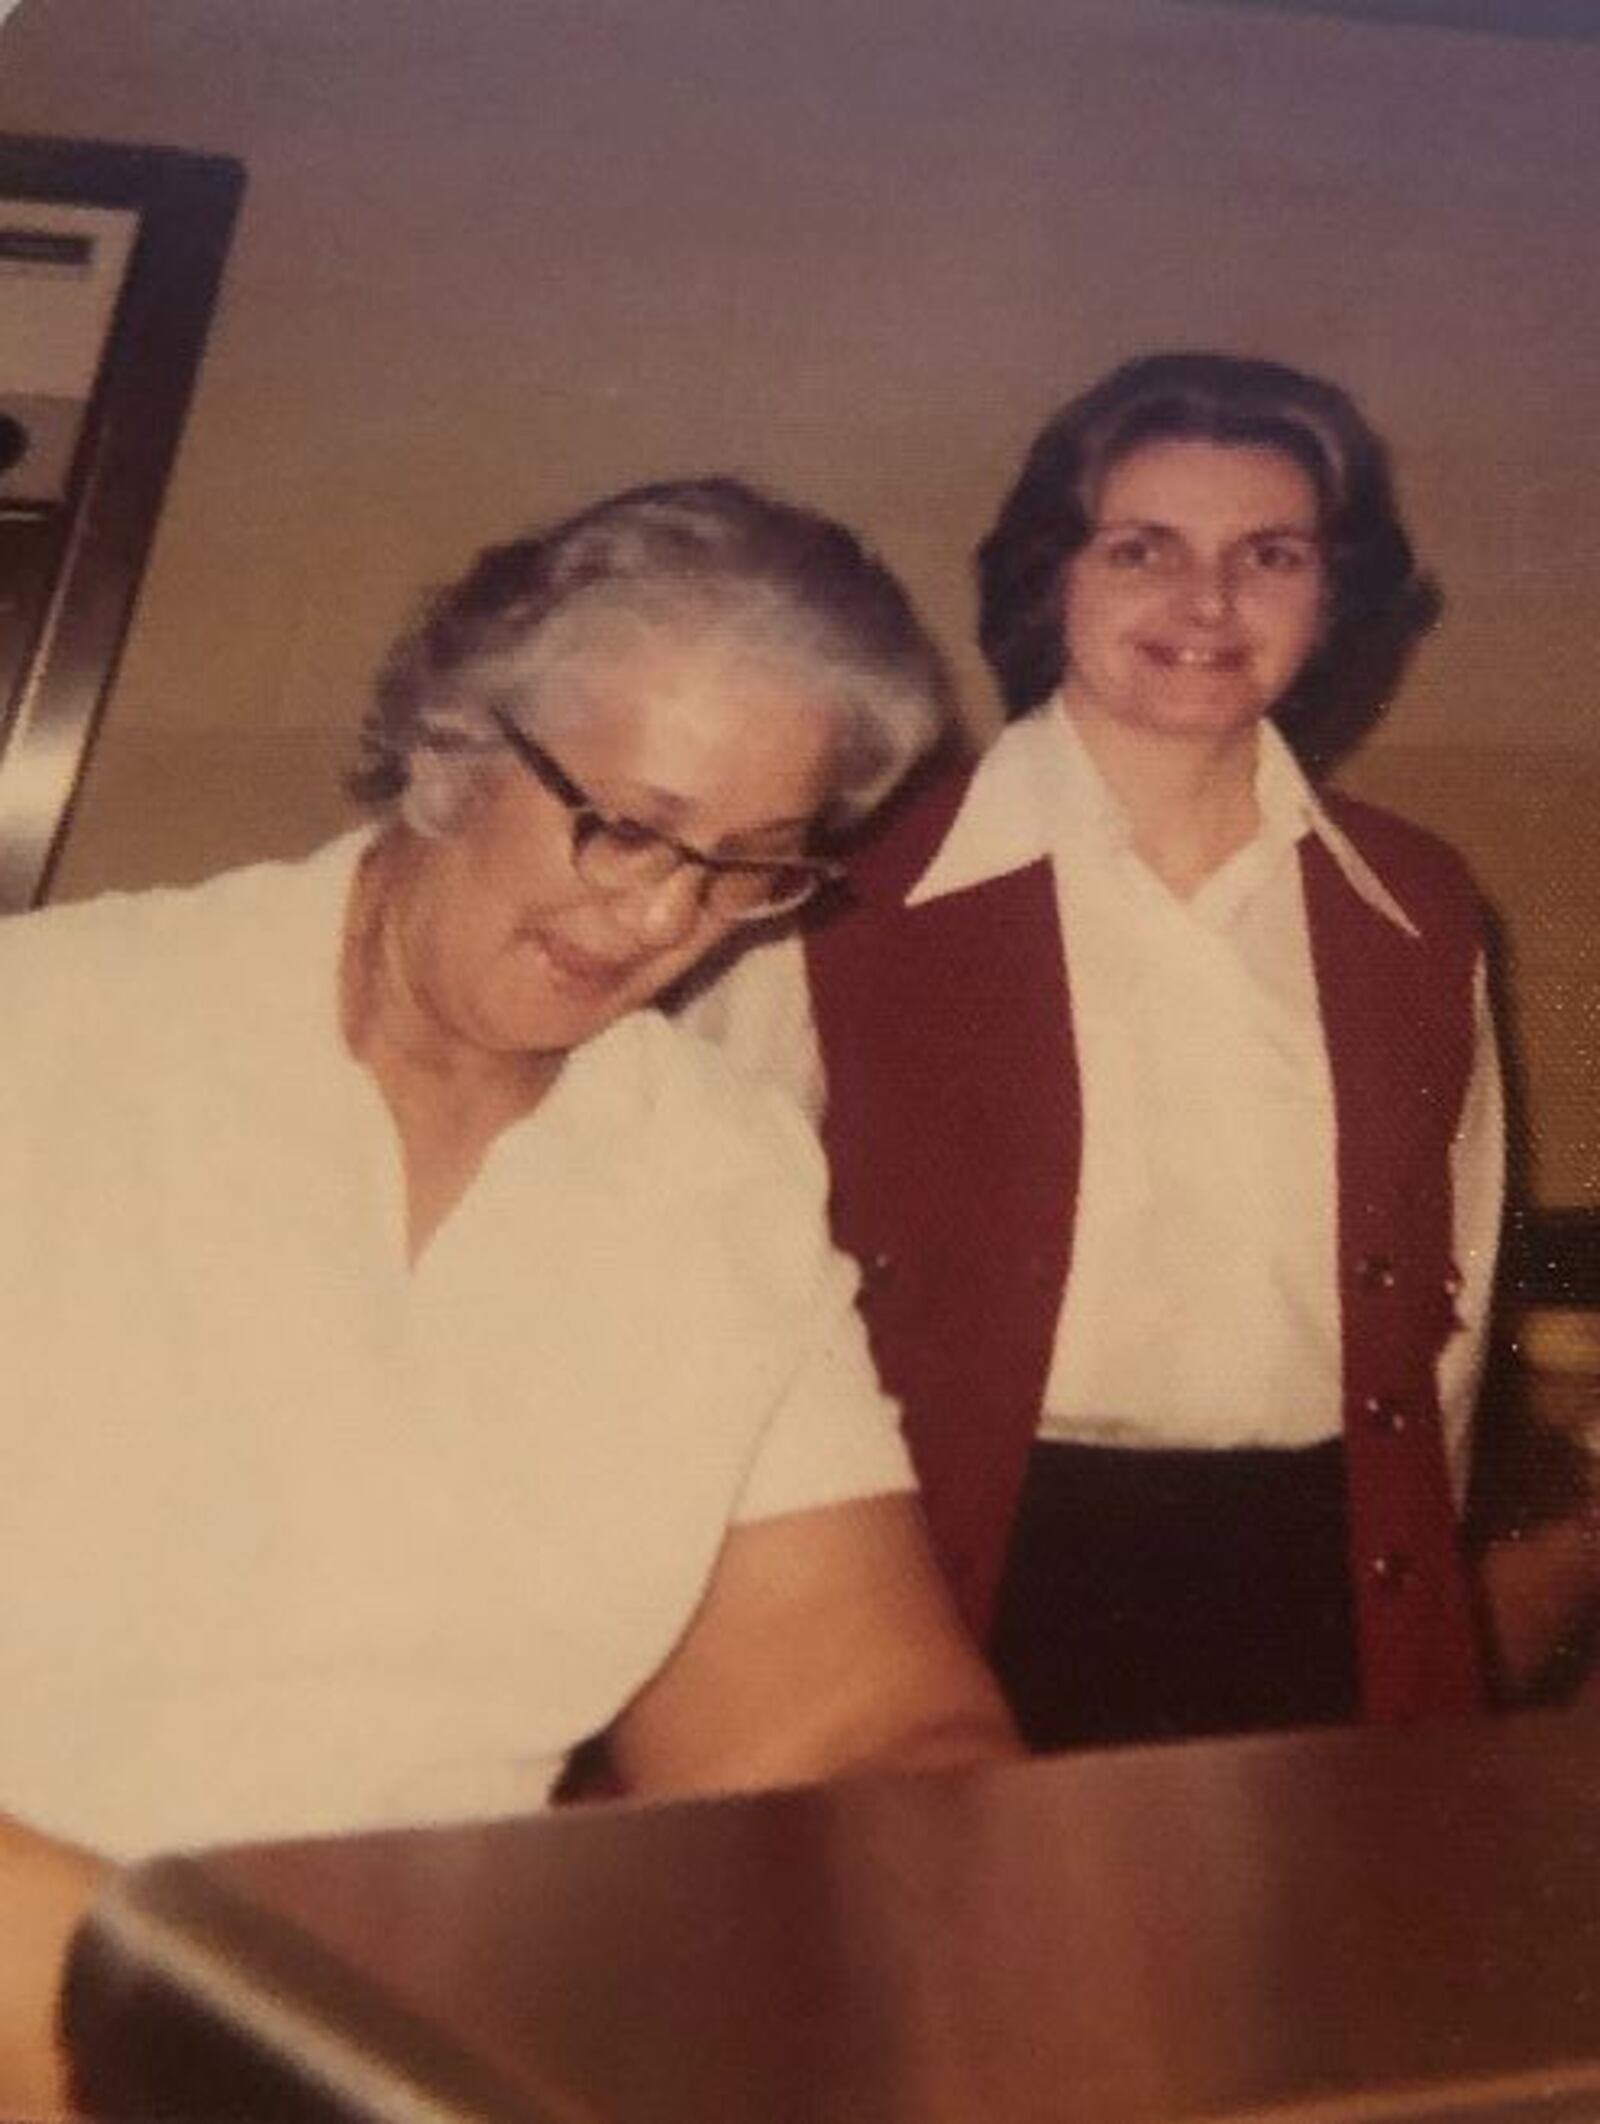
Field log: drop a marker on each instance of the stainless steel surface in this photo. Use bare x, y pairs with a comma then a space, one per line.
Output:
1359, 1925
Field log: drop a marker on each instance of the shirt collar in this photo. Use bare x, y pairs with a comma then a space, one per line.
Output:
1036, 789
1006, 818
1287, 798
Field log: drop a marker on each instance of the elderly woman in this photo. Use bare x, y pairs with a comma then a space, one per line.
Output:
1162, 1100
419, 1354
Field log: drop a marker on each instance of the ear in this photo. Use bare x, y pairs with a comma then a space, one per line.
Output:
1327, 611
1058, 607
446, 789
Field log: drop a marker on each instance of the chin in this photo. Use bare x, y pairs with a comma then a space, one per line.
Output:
1201, 720
559, 1032
542, 1025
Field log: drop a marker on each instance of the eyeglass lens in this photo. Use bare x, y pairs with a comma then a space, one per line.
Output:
610, 853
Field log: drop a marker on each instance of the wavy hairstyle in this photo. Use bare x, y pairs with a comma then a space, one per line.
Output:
1379, 603
710, 559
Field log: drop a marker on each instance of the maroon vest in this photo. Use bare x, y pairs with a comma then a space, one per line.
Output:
954, 1133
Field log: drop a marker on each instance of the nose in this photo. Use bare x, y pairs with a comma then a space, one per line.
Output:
661, 911
1210, 587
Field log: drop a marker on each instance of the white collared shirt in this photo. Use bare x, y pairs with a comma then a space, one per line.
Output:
1203, 1304
300, 1538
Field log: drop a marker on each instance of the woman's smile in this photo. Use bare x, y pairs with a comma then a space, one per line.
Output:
1178, 657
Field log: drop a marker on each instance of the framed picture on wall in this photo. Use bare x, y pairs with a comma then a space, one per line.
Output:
110, 261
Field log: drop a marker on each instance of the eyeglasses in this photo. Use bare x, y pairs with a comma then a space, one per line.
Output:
614, 853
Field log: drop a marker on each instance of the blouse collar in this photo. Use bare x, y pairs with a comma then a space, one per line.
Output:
1036, 790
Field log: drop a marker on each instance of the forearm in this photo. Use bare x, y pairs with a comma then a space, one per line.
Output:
928, 1730
948, 1740
45, 1888
826, 1646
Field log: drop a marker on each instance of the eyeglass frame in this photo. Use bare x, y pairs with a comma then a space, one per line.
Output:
587, 819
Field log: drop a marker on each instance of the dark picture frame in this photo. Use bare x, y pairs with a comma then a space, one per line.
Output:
70, 574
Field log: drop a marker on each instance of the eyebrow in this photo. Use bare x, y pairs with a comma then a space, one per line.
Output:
1152, 523
649, 806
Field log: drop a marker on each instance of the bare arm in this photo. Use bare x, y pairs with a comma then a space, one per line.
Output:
825, 1643
45, 1888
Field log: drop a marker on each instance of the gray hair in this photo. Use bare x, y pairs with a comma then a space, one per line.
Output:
772, 584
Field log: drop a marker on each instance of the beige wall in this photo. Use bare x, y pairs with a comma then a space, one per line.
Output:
499, 254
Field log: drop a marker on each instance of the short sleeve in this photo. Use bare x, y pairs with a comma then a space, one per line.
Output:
835, 1434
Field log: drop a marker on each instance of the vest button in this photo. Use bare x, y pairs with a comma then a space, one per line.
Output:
1385, 1414
1393, 1570
1375, 1272
876, 1271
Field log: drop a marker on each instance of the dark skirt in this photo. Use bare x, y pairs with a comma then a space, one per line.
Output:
1165, 1595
